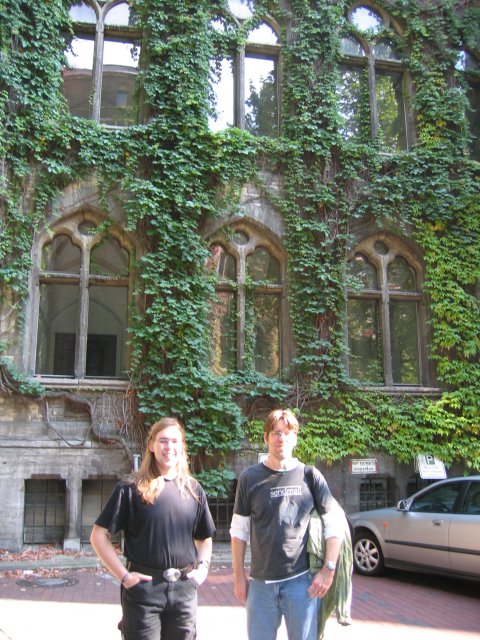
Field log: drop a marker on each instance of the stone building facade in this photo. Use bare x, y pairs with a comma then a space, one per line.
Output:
62, 450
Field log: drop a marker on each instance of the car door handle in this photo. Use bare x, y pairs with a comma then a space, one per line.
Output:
437, 523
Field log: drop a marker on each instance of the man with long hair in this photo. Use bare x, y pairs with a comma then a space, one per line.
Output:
272, 509
168, 529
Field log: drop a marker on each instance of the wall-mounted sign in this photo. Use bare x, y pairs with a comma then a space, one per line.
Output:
429, 467
364, 465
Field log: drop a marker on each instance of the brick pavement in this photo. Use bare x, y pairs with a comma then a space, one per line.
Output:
84, 603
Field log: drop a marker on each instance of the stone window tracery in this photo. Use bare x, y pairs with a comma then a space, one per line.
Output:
81, 296
385, 315
248, 310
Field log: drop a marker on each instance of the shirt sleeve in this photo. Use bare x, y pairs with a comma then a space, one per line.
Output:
242, 498
204, 525
240, 527
334, 522
332, 514
115, 513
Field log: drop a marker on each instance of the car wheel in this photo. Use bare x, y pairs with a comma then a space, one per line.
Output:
367, 555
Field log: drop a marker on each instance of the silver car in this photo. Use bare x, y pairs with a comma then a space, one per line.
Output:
436, 530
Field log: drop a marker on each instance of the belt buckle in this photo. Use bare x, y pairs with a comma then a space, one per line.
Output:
172, 575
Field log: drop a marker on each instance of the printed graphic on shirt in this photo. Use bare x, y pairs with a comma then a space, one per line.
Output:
288, 509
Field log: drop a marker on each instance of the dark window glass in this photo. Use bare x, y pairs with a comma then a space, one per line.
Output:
261, 105
107, 324
57, 329
350, 92
266, 334
364, 341
363, 273
261, 265
400, 275
44, 520
109, 258
223, 333
404, 342
61, 255
222, 262
391, 110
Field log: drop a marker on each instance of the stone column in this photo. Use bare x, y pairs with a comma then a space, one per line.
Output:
73, 514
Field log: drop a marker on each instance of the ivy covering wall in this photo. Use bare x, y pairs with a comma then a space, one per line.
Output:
177, 174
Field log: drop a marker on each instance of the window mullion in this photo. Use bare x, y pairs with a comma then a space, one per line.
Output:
98, 70
372, 91
239, 88
385, 320
82, 328
241, 325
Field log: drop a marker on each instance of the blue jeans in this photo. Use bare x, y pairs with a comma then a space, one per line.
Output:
267, 603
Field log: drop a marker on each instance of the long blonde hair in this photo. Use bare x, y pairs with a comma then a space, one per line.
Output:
149, 483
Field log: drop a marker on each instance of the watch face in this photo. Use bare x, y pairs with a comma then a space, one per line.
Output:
331, 565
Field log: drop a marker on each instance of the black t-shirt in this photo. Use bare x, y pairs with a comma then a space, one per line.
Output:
279, 504
162, 534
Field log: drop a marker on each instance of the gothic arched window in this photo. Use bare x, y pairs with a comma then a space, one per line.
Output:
384, 316
81, 293
244, 80
371, 91
469, 68
247, 317
100, 79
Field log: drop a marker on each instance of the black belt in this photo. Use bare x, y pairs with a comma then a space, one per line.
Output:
172, 574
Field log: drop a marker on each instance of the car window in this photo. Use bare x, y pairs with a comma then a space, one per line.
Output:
472, 500
439, 500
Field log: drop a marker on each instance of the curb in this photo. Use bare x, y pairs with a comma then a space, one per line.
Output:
221, 556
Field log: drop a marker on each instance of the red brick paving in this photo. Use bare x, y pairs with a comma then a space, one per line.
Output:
400, 605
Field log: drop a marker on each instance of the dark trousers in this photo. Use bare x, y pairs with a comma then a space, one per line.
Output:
159, 610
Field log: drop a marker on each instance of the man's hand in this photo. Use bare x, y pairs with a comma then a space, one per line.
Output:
199, 575
321, 583
135, 578
240, 587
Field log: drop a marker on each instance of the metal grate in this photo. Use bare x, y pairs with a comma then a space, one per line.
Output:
44, 512
374, 493
221, 510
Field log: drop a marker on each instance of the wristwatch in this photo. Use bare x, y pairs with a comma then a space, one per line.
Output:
331, 565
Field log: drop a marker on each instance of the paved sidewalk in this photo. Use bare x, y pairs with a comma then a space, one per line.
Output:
82, 602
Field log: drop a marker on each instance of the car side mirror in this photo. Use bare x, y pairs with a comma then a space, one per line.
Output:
402, 505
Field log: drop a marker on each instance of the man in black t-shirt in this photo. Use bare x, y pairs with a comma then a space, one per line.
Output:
168, 531
272, 509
